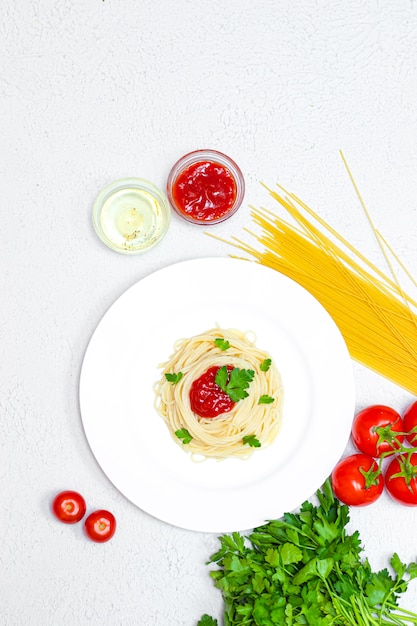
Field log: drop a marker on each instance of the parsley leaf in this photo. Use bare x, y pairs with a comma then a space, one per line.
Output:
265, 400
221, 378
399, 567
265, 365
412, 570
206, 620
183, 434
221, 343
234, 383
174, 378
252, 441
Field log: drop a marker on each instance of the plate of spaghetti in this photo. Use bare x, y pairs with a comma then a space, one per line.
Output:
216, 394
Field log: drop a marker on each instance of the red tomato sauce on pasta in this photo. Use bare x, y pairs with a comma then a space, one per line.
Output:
205, 191
206, 398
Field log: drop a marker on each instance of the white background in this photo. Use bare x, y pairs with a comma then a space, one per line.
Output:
95, 90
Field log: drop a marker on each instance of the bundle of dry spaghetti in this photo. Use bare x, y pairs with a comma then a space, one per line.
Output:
375, 316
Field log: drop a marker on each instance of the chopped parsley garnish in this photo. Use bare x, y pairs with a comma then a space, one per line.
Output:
265, 400
174, 378
251, 441
184, 435
222, 344
234, 383
265, 365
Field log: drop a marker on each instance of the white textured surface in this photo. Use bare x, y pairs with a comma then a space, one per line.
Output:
95, 90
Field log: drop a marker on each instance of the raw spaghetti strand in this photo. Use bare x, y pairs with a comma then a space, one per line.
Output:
376, 317
357, 284
220, 437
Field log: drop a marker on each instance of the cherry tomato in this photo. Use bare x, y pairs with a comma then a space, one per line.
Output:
69, 507
410, 422
402, 488
351, 486
377, 416
100, 526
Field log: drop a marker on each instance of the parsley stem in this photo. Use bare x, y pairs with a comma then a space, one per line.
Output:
405, 615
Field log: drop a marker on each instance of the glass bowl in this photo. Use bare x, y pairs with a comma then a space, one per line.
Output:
131, 215
205, 187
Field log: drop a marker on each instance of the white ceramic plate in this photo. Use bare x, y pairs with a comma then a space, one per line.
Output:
130, 440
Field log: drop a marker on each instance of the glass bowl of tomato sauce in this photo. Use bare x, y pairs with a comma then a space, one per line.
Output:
205, 187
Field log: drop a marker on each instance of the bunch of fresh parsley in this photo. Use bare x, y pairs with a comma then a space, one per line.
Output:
306, 569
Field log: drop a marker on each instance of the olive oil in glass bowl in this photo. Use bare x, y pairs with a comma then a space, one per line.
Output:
131, 215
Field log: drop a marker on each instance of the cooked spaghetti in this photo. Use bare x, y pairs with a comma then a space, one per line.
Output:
250, 423
375, 316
